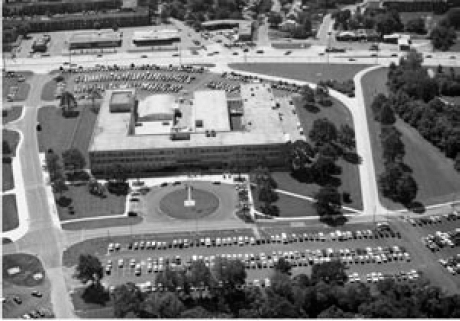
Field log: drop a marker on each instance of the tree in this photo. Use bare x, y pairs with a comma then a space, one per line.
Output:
443, 36
93, 95
389, 23
89, 268
416, 25
300, 154
283, 266
328, 202
197, 312
117, 173
162, 305
453, 17
330, 151
172, 280
406, 189
127, 298
67, 102
59, 186
267, 195
199, 274
274, 19
308, 94
323, 131
73, 159
387, 115
333, 312
379, 101
53, 165
96, 293
329, 272
393, 147
230, 273
346, 137
6, 149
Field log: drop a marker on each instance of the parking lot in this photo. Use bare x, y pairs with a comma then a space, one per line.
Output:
369, 255
441, 235
15, 86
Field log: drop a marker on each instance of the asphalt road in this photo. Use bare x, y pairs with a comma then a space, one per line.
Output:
43, 238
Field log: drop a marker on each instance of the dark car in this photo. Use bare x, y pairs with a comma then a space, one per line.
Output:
37, 294
17, 300
163, 184
287, 53
176, 183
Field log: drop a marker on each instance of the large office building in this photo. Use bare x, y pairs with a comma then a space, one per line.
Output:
156, 37
208, 132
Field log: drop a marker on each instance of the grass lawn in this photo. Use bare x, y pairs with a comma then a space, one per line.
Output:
7, 177
102, 223
9, 213
172, 204
11, 115
435, 175
12, 138
59, 133
49, 90
305, 72
290, 206
339, 115
88, 205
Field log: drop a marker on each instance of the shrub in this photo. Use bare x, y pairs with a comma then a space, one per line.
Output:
64, 201
7, 160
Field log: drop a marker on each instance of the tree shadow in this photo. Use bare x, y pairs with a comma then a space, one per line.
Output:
334, 220
302, 176
312, 108
329, 180
416, 207
71, 114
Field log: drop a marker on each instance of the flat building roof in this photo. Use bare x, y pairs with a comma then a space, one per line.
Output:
261, 124
95, 36
210, 107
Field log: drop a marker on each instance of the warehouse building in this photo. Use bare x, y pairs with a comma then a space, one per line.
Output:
95, 39
164, 134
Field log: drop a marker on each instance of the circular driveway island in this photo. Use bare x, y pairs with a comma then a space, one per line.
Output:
172, 204
165, 205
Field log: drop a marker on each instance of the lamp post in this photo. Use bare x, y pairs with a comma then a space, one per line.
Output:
328, 45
